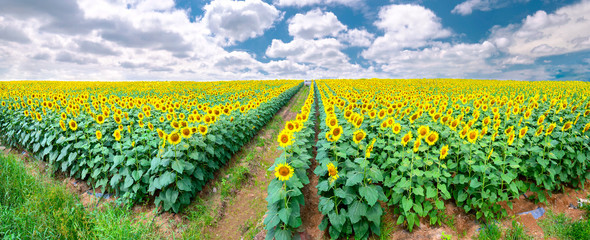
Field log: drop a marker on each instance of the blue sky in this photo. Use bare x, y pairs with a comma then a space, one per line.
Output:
294, 39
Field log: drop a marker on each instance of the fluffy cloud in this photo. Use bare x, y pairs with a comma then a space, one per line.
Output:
315, 24
405, 26
467, 7
357, 37
546, 34
302, 3
237, 21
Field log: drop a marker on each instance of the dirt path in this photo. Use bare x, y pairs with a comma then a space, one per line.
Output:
310, 215
246, 209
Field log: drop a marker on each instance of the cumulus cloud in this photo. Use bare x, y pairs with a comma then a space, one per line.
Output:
546, 34
13, 34
357, 37
96, 48
405, 26
71, 58
467, 7
302, 3
315, 24
236, 21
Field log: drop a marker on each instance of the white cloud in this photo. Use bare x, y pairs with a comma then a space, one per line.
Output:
322, 52
302, 3
314, 24
546, 34
237, 21
467, 7
405, 26
357, 37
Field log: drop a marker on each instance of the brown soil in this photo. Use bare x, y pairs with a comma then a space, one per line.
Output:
243, 210
310, 214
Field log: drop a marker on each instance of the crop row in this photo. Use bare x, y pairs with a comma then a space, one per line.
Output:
137, 140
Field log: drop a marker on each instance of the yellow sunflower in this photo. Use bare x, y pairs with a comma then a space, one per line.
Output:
396, 128
284, 139
472, 136
444, 151
283, 171
117, 135
336, 133
73, 125
98, 135
550, 129
174, 138
417, 144
432, 138
566, 126
203, 129
370, 148
186, 132
100, 119
333, 172
406, 138
522, 132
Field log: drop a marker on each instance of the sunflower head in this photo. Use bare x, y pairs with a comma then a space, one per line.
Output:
336, 133
284, 139
396, 128
522, 132
203, 129
566, 126
333, 172
161, 134
100, 119
417, 144
62, 124
432, 138
174, 138
186, 132
370, 148
472, 136
586, 127
511, 138
73, 125
406, 138
117, 135
444, 151
284, 171
550, 129
358, 136
423, 131
98, 135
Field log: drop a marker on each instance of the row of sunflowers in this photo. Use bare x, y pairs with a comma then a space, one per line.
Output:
139, 139
414, 144
285, 196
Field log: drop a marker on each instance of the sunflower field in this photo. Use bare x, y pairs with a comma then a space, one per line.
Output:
139, 139
415, 144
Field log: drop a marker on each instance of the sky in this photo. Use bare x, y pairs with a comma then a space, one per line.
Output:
294, 39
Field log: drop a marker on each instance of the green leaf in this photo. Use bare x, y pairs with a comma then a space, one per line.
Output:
418, 191
474, 183
430, 192
177, 166
375, 174
439, 204
369, 193
406, 204
354, 178
326, 205
356, 211
283, 234
72, 156
284, 214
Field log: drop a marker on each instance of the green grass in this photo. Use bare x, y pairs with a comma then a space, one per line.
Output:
36, 207
517, 232
301, 100
490, 232
562, 227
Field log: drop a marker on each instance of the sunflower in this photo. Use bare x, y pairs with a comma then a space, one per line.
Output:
336, 133
417, 144
511, 138
162, 119
541, 119
490, 154
100, 119
472, 136
423, 131
333, 172
174, 138
284, 139
175, 124
140, 116
454, 124
522, 132
64, 116
117, 135
332, 122
150, 126
161, 134
396, 128
444, 151
62, 124
384, 124
432, 138
98, 135
464, 132
290, 126
358, 136
73, 125
566, 126
283, 171
407, 138
586, 127
203, 129
550, 129
539, 130
370, 148
186, 132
